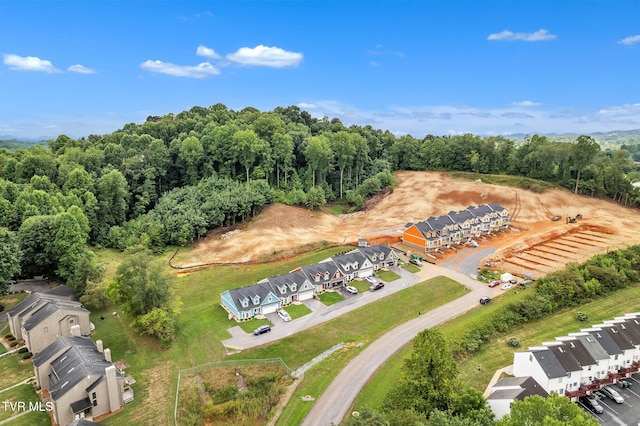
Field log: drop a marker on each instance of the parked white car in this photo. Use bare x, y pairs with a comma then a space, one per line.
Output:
613, 394
371, 280
351, 289
284, 315
506, 286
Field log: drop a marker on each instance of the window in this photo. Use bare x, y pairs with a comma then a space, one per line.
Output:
256, 300
381, 256
94, 398
294, 287
46, 329
326, 275
316, 278
245, 303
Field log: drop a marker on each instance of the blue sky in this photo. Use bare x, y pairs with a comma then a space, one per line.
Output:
411, 67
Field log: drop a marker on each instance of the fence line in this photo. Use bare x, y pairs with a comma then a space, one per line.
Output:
227, 363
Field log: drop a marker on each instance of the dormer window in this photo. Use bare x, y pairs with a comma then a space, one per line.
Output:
316, 278
326, 275
374, 257
294, 287
355, 265
244, 302
381, 256
256, 300
283, 289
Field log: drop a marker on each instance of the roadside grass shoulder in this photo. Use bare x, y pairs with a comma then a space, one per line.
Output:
388, 276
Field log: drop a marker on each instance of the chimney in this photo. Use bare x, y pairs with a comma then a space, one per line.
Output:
75, 330
99, 345
107, 355
115, 397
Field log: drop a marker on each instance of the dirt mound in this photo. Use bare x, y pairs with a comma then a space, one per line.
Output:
418, 195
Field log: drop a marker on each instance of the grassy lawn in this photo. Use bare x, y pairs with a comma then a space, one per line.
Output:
387, 276
298, 310
24, 393
411, 268
10, 300
330, 297
14, 371
361, 285
351, 329
201, 326
249, 326
31, 419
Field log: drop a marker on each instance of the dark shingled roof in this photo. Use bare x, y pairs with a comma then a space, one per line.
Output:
319, 269
580, 353
77, 358
261, 289
285, 282
80, 406
619, 337
354, 256
376, 251
565, 357
549, 363
594, 348
630, 328
606, 342
63, 291
522, 388
46, 311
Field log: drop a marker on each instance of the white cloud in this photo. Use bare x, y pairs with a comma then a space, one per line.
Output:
81, 69
28, 63
374, 64
506, 35
526, 103
630, 40
206, 52
305, 105
459, 119
202, 70
265, 56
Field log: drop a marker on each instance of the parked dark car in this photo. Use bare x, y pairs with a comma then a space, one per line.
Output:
376, 287
592, 404
485, 300
262, 329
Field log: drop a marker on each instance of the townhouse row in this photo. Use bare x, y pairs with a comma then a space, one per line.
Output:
75, 376
575, 365
303, 283
456, 227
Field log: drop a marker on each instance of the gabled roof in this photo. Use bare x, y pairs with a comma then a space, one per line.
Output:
76, 358
440, 222
311, 271
286, 282
630, 328
349, 258
620, 338
565, 357
38, 299
63, 291
460, 216
607, 343
376, 251
46, 311
260, 289
517, 388
594, 348
549, 363
580, 353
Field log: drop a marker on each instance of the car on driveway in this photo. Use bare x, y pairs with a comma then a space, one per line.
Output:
485, 300
415, 261
506, 286
284, 315
592, 404
613, 394
371, 280
494, 283
376, 287
351, 289
262, 329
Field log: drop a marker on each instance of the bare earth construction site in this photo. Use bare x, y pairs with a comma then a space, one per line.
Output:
536, 244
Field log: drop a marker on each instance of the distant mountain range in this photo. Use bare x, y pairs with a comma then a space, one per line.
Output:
612, 138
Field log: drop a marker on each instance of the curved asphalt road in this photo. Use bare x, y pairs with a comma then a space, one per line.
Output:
331, 407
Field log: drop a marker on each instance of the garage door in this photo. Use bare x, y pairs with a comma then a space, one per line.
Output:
365, 273
305, 295
270, 308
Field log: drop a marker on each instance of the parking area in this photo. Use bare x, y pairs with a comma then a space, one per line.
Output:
627, 413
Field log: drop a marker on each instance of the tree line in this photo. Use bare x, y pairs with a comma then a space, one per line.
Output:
167, 180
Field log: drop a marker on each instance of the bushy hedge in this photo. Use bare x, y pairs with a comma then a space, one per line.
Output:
27, 355
23, 350
573, 286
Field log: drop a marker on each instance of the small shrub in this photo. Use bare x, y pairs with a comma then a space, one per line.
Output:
8, 335
11, 338
27, 355
514, 342
13, 344
581, 316
23, 350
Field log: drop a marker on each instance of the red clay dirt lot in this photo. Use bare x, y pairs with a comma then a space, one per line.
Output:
535, 244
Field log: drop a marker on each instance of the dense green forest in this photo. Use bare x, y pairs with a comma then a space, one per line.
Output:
170, 179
